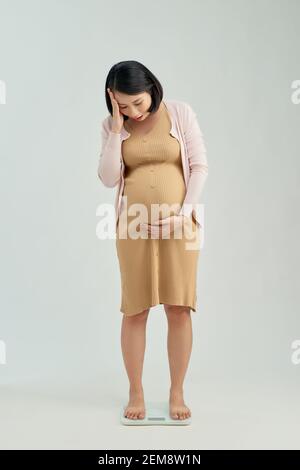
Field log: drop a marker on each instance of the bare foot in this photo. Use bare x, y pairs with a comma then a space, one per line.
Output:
178, 409
136, 405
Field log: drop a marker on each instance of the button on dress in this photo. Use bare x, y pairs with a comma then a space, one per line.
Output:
155, 270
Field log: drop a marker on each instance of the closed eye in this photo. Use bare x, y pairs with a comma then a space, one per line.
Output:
123, 107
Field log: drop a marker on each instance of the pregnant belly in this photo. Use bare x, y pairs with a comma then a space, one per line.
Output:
161, 191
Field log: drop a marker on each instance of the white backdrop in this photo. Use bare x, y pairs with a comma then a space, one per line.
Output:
235, 62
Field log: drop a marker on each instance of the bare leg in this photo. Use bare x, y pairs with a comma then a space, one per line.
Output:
180, 338
133, 341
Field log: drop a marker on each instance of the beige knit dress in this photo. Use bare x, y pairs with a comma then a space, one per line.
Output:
155, 270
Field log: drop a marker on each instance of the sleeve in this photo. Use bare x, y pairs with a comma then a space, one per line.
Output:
196, 152
109, 166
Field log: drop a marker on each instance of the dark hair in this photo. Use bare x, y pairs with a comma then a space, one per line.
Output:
132, 77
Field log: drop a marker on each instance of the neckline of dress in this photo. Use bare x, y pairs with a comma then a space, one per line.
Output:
170, 115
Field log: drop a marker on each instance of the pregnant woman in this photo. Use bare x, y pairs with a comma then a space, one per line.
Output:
153, 150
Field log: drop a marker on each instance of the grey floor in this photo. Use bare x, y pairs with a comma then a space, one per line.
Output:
225, 415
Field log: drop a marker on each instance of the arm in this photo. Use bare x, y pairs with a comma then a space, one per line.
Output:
196, 151
109, 167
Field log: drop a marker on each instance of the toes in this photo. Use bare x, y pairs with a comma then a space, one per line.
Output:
180, 414
184, 415
134, 415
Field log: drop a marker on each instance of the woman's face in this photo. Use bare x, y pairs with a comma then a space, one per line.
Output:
134, 105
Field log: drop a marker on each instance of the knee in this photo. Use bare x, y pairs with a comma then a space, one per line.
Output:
140, 316
176, 312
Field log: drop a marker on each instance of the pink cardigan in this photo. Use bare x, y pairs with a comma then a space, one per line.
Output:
186, 130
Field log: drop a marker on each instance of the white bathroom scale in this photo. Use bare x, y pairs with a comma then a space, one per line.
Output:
157, 413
